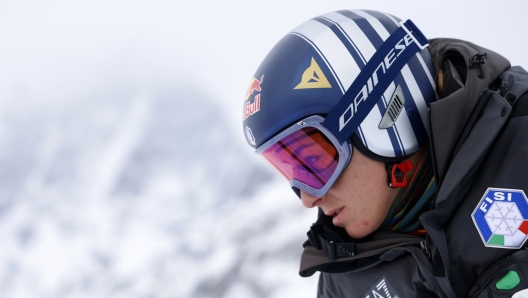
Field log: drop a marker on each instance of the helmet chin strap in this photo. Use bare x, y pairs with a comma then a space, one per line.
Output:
397, 173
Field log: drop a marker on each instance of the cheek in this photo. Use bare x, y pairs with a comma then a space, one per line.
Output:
363, 188
360, 220
368, 209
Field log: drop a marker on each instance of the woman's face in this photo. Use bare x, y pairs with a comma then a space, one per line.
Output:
360, 198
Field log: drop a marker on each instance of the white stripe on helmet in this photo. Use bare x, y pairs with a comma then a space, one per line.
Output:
377, 138
346, 70
350, 27
416, 94
429, 76
403, 124
391, 18
333, 49
374, 22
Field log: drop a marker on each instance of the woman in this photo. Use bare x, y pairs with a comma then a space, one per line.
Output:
413, 151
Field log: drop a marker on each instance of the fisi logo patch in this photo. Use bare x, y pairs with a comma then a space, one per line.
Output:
501, 218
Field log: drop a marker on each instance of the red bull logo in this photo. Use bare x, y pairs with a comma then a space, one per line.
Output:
251, 108
254, 86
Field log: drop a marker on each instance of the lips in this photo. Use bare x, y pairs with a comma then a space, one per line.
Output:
334, 212
337, 212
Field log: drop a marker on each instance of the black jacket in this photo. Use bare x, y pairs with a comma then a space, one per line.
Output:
479, 143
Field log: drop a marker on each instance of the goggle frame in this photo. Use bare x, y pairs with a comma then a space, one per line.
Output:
344, 151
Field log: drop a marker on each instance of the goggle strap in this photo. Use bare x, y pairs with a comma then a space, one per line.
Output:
357, 102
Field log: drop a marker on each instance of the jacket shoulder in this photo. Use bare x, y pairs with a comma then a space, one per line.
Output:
465, 80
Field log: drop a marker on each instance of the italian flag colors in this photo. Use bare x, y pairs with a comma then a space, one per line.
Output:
514, 240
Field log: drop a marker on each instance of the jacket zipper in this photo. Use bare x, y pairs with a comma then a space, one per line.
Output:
423, 245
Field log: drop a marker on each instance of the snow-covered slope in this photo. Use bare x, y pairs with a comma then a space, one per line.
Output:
141, 194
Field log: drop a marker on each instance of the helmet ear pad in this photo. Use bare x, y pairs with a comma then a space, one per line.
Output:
358, 144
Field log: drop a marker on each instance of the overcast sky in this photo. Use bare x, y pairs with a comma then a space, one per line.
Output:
57, 51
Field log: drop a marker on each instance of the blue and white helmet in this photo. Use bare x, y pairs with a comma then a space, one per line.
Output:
312, 67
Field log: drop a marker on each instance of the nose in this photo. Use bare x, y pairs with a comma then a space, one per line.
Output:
308, 200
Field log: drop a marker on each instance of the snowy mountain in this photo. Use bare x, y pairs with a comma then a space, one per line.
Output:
141, 194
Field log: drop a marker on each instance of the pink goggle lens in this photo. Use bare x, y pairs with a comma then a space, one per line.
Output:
306, 155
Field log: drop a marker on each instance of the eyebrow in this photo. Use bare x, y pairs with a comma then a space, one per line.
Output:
304, 136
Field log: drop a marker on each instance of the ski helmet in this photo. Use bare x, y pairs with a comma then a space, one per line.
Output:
366, 74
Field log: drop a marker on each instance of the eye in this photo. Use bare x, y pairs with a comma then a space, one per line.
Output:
312, 159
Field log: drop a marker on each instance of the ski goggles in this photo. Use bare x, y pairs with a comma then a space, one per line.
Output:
308, 155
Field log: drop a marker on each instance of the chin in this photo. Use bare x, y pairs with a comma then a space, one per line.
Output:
358, 234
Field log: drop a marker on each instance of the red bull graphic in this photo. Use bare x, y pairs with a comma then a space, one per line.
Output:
251, 108
254, 85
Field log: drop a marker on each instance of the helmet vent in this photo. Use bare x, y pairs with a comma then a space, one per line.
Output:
394, 109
